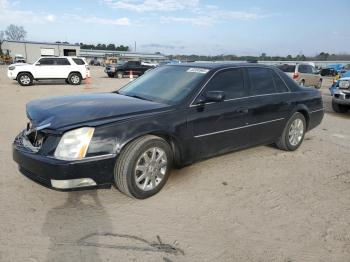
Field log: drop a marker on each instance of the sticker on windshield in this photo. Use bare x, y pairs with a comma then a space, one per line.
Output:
198, 70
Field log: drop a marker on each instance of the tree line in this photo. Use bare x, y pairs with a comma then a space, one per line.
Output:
111, 47
263, 57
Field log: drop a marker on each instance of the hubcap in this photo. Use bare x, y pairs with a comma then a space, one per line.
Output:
150, 168
75, 79
25, 80
296, 132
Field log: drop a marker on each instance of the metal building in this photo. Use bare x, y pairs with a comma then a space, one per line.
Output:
101, 55
31, 51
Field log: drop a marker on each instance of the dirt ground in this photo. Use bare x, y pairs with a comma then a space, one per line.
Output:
260, 204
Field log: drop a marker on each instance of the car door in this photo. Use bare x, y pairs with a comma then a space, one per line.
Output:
44, 68
63, 68
131, 67
218, 127
269, 104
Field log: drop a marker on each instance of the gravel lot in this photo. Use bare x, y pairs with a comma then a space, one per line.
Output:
260, 204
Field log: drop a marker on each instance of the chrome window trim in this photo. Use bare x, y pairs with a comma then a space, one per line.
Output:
236, 67
241, 127
239, 98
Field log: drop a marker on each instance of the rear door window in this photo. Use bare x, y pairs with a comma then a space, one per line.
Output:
279, 84
79, 61
46, 61
61, 61
229, 81
261, 80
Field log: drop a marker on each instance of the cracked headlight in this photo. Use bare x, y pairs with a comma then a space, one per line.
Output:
74, 144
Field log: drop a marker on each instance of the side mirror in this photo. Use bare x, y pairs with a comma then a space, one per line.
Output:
211, 96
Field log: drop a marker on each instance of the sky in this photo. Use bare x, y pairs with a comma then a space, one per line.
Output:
202, 27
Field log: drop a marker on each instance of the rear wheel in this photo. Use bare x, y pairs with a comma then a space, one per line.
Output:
293, 133
74, 79
339, 108
143, 167
25, 79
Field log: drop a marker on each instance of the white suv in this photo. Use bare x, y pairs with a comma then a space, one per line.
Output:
72, 69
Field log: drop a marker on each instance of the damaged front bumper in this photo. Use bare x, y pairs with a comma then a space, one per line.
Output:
90, 172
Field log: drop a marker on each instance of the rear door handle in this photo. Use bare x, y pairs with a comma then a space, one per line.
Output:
242, 110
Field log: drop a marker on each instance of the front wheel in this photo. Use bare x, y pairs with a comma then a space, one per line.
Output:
25, 79
74, 79
143, 167
293, 133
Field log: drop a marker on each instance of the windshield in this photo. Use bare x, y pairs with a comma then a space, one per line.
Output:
167, 84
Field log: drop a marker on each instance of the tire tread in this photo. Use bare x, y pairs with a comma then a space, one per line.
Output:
121, 168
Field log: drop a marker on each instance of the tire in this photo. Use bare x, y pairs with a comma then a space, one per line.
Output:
25, 79
74, 79
132, 161
120, 74
111, 75
319, 84
285, 142
339, 108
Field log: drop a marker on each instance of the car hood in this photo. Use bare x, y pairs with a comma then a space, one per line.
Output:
91, 109
20, 64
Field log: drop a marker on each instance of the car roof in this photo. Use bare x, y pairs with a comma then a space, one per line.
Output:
219, 65
62, 57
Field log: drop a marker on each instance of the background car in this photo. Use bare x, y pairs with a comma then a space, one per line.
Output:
328, 72
335, 84
304, 74
72, 69
123, 68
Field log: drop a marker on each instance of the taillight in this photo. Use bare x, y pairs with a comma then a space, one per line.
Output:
295, 75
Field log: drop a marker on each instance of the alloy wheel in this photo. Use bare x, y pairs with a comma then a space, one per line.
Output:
296, 132
150, 168
74, 79
25, 80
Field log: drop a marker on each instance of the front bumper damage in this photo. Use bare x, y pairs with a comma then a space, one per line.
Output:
90, 172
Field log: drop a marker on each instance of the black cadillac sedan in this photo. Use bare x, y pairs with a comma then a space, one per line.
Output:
172, 116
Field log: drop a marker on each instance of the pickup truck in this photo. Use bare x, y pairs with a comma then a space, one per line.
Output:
123, 68
340, 90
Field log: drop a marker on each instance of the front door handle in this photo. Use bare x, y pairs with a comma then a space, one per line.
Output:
242, 111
